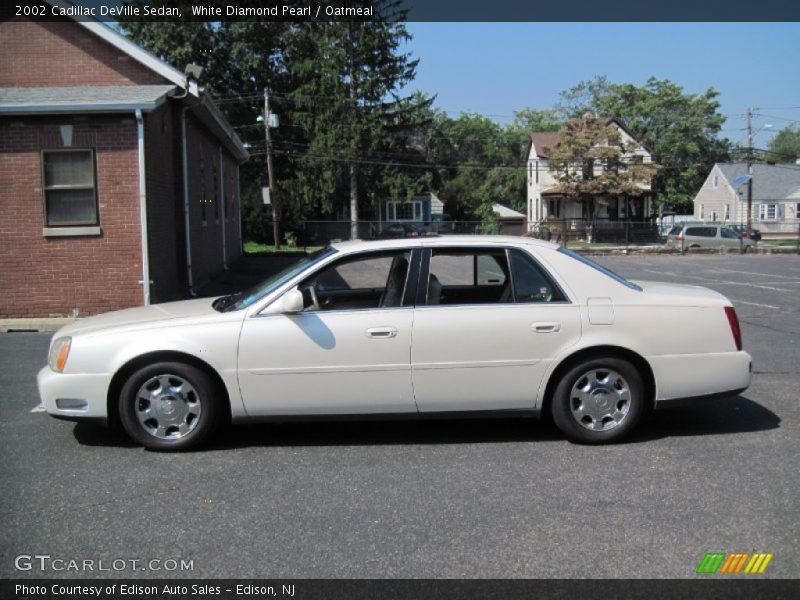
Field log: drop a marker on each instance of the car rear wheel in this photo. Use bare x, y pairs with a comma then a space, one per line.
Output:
169, 406
599, 401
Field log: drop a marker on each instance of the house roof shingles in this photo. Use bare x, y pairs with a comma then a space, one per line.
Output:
770, 182
25, 100
544, 139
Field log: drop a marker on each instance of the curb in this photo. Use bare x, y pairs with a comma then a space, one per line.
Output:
651, 250
34, 324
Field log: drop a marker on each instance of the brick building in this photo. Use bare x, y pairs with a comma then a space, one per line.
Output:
114, 169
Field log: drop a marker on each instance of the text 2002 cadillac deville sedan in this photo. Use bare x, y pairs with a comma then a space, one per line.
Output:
423, 327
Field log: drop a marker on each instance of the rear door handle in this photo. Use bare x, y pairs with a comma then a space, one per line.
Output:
546, 327
381, 332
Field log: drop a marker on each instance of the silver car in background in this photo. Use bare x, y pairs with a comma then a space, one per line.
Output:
707, 236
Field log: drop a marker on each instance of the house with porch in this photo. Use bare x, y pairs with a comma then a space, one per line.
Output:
120, 174
775, 201
547, 205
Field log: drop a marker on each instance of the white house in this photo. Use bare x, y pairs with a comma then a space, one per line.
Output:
545, 204
775, 202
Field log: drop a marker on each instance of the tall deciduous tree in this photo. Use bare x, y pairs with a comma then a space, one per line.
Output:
477, 163
680, 128
785, 146
592, 163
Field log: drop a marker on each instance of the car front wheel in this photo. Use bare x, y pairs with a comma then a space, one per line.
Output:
599, 401
169, 406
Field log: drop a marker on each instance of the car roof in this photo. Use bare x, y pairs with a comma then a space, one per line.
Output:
441, 240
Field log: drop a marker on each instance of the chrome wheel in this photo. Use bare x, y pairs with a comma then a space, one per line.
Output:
600, 399
168, 407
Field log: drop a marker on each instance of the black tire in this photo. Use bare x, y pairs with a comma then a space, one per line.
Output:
562, 404
203, 397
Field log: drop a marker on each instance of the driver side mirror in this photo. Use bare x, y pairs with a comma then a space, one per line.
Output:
290, 302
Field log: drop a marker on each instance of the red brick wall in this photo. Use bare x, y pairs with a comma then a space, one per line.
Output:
41, 276
64, 54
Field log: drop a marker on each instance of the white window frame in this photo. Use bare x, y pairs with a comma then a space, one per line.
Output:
702, 211
713, 216
768, 211
727, 212
716, 181
391, 210
797, 210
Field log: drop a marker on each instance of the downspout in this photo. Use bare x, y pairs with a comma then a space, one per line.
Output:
186, 224
239, 210
143, 209
223, 216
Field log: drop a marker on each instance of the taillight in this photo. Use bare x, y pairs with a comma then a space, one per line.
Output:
733, 321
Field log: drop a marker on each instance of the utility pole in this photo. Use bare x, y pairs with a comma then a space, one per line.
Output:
749, 119
276, 234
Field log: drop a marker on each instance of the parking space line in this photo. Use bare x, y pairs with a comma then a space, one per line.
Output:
735, 301
721, 270
39, 408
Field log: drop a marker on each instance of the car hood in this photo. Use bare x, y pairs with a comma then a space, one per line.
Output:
681, 294
142, 315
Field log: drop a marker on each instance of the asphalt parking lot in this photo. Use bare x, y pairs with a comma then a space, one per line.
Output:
444, 499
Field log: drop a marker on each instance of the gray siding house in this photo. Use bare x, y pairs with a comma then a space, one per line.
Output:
776, 198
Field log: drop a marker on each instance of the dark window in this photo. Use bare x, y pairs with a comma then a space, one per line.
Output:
702, 231
729, 233
469, 277
366, 281
70, 197
531, 282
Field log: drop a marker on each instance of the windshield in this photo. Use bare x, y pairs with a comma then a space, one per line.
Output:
248, 297
601, 268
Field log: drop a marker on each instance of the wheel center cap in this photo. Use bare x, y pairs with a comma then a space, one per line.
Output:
601, 399
168, 405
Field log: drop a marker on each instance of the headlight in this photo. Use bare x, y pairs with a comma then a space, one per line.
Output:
59, 352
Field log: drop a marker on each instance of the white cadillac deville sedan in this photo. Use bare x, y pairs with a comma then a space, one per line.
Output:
411, 328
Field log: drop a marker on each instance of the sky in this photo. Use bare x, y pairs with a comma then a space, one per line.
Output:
497, 68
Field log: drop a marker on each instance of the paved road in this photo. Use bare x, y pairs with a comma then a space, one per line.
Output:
437, 499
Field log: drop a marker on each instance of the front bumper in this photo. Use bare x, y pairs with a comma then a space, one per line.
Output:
74, 396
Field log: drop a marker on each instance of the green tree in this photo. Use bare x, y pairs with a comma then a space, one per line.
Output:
680, 128
593, 163
476, 163
527, 120
785, 146
347, 104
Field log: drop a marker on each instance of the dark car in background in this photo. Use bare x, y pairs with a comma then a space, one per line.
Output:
753, 234
401, 230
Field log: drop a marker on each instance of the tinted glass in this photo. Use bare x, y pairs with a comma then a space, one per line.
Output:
463, 276
531, 282
272, 283
702, 231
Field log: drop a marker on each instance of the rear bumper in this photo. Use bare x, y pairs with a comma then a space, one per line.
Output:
682, 377
75, 397
673, 402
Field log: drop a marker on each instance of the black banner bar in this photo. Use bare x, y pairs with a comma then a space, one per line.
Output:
408, 10
733, 588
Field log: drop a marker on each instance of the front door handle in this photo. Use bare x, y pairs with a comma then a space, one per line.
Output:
379, 333
546, 327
